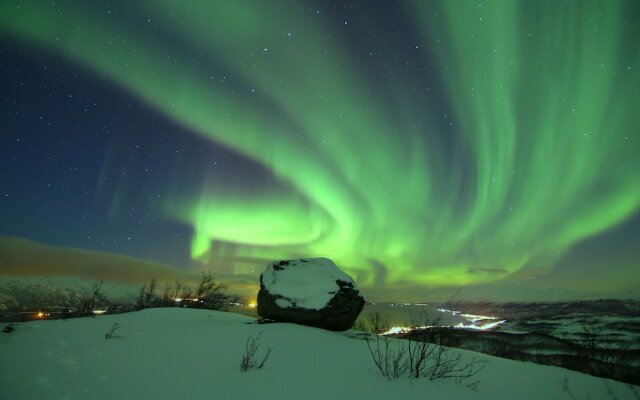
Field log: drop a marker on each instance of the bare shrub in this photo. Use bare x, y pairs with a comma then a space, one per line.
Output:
449, 365
147, 295
87, 301
172, 291
377, 322
389, 358
111, 332
250, 358
419, 352
425, 356
210, 294
186, 292
421, 359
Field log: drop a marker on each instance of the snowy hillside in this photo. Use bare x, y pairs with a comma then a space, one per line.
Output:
176, 353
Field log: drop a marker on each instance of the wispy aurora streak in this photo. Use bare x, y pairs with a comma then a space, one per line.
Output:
523, 147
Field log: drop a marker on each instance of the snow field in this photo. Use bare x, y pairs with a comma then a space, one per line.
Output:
175, 353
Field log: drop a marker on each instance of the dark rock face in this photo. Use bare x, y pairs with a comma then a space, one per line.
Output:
311, 292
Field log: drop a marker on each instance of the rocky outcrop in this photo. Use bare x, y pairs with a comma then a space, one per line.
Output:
309, 291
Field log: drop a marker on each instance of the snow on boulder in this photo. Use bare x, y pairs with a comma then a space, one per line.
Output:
309, 291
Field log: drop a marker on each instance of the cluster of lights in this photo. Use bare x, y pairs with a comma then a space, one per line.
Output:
180, 300
485, 327
473, 319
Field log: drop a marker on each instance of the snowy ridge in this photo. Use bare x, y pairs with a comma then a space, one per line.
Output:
175, 353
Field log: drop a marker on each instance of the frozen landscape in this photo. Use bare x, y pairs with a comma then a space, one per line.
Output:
429, 199
185, 353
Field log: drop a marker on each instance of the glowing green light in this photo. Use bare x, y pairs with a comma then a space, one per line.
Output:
542, 101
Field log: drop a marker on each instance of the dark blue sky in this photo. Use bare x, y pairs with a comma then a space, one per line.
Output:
399, 195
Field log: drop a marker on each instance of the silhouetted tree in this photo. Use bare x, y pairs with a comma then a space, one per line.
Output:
87, 301
210, 294
146, 295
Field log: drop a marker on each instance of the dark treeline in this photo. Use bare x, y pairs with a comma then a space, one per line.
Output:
21, 302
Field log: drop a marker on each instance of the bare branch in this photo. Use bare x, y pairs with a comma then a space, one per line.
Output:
111, 332
249, 360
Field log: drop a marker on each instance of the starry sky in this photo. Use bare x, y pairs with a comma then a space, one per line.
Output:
480, 149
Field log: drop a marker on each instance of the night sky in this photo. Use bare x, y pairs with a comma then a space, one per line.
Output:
483, 149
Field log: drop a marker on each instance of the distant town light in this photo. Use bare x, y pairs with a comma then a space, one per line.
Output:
180, 299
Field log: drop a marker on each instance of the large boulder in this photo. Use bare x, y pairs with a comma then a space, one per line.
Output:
309, 291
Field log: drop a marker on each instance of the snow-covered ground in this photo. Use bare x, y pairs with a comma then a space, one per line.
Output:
175, 353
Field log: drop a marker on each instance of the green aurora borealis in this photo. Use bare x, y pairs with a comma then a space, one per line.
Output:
479, 141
